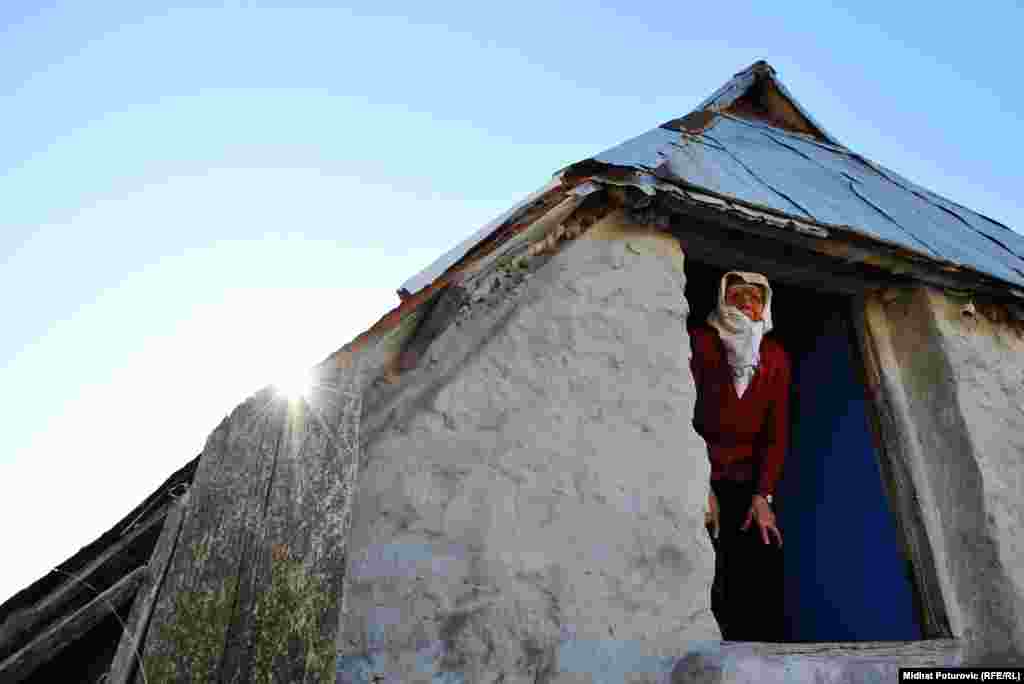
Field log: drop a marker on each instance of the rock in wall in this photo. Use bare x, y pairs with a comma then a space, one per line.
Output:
957, 382
530, 504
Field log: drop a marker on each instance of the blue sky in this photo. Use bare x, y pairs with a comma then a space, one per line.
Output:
196, 198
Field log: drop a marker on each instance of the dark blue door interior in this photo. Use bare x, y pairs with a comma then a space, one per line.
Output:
845, 578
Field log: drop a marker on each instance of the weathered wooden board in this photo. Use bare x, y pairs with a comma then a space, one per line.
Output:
926, 653
78, 589
47, 645
126, 659
895, 466
253, 589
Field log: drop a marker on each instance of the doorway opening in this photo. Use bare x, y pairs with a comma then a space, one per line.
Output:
847, 573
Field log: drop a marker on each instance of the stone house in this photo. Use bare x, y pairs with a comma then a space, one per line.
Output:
500, 480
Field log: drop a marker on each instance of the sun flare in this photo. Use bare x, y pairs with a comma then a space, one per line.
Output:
295, 384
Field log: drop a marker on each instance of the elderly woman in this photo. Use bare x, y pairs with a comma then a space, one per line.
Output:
742, 413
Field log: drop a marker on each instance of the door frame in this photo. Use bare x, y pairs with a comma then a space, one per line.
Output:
732, 249
900, 485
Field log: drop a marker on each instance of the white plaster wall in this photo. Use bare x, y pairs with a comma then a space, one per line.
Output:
958, 385
537, 514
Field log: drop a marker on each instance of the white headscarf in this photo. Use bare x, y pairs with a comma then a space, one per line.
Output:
740, 335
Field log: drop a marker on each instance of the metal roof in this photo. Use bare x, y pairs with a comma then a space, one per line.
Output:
741, 82
802, 177
795, 175
452, 256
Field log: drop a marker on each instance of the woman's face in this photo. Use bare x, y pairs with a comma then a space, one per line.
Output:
747, 298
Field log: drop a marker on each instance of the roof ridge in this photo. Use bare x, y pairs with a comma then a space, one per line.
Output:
759, 65
743, 82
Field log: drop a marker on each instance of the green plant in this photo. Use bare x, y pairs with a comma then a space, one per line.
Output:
290, 610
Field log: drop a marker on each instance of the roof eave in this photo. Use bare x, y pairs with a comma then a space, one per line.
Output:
846, 242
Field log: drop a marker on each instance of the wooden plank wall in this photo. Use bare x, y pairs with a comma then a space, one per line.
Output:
253, 589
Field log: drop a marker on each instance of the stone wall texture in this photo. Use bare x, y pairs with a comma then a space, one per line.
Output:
531, 495
530, 506
957, 382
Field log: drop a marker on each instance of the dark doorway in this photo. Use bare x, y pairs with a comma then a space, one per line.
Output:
845, 574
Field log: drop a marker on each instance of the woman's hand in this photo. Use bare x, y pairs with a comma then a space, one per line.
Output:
762, 513
711, 516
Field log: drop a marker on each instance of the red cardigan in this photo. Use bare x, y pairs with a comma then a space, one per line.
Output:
746, 437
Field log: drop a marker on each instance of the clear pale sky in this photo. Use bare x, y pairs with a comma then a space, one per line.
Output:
195, 199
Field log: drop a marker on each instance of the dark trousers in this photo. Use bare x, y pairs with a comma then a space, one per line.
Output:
746, 597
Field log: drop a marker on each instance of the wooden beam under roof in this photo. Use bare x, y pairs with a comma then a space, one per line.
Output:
114, 562
841, 252
125, 663
50, 643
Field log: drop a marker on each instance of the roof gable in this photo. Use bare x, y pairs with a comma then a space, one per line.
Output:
752, 144
752, 141
756, 93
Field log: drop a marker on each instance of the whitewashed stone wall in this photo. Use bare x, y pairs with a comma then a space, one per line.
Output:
531, 508
957, 383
